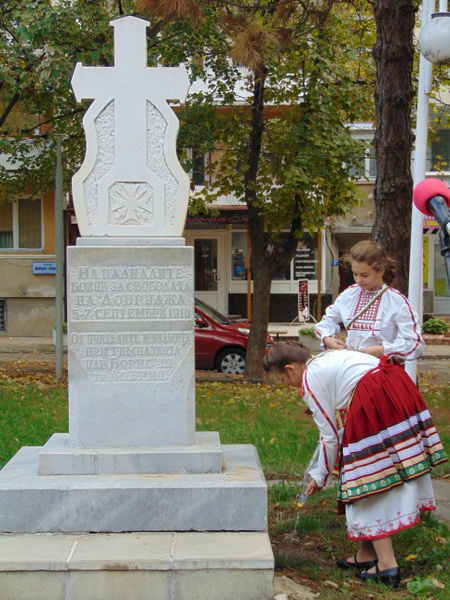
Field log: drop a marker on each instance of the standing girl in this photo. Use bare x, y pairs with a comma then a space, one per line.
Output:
378, 318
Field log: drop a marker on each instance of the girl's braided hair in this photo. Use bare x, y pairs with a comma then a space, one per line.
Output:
285, 353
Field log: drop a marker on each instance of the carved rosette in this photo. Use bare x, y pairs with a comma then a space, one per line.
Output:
131, 204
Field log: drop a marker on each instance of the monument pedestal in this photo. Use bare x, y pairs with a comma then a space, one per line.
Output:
233, 500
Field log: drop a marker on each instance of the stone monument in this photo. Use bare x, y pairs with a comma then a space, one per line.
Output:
133, 495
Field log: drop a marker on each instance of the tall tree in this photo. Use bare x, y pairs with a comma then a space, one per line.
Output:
393, 54
286, 147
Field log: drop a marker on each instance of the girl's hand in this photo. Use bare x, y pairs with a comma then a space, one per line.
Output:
333, 343
312, 488
376, 351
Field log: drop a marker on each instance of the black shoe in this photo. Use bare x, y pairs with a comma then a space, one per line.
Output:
388, 576
344, 564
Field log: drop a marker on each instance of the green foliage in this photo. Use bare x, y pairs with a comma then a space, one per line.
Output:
308, 331
435, 325
40, 43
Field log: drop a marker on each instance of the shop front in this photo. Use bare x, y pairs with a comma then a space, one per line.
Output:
222, 254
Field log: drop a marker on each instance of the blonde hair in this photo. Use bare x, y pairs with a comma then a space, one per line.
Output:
285, 353
375, 256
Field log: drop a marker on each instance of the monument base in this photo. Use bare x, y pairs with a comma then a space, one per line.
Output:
58, 458
233, 500
141, 566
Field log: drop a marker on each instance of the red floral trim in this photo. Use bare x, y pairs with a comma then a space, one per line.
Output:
401, 527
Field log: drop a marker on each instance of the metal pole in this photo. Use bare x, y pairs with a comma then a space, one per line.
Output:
249, 278
319, 276
59, 256
415, 291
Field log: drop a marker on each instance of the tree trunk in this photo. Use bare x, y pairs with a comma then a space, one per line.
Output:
262, 280
393, 54
260, 312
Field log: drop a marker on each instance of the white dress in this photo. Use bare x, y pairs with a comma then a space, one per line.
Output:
328, 385
390, 321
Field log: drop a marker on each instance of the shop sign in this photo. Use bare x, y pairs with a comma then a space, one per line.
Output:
233, 219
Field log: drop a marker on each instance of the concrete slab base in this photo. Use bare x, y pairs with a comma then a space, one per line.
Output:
58, 458
136, 566
233, 500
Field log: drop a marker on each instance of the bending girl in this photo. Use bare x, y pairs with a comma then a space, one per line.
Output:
374, 423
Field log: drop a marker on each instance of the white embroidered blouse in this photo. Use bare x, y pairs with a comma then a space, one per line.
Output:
390, 321
328, 384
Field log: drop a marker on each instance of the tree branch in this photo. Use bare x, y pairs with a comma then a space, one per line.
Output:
9, 108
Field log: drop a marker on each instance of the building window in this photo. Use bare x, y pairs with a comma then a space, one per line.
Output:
438, 158
2, 315
198, 163
366, 167
303, 265
21, 225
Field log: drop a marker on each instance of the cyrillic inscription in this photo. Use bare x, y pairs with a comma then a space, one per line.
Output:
131, 356
138, 293
130, 294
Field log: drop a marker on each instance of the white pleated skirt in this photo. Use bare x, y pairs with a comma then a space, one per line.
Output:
384, 514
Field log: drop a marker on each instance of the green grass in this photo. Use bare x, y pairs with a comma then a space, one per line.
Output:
307, 542
30, 414
271, 418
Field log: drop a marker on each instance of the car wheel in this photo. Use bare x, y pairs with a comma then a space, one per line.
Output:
231, 361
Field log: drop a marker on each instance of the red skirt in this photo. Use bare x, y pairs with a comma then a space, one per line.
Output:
389, 436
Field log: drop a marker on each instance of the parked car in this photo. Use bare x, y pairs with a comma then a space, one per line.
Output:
219, 342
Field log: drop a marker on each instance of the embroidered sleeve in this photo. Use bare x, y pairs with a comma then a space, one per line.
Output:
325, 419
408, 343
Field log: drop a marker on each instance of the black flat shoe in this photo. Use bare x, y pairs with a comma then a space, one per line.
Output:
388, 576
344, 564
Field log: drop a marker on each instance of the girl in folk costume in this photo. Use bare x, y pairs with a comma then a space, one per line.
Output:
375, 426
378, 318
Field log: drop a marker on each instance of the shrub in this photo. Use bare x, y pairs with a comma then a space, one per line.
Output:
436, 326
309, 331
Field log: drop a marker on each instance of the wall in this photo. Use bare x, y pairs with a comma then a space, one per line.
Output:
30, 299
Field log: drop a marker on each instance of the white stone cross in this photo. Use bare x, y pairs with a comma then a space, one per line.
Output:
131, 183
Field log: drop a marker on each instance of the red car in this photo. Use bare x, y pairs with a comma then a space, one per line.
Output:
219, 343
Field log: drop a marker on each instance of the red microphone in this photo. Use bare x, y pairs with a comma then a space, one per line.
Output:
432, 197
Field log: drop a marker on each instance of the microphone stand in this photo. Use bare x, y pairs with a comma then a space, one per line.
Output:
444, 241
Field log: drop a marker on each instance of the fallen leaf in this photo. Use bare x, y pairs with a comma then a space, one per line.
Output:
411, 557
437, 583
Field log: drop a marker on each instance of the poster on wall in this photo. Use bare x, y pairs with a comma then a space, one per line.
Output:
238, 269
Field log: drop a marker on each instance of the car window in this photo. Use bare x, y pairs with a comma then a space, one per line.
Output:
212, 312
